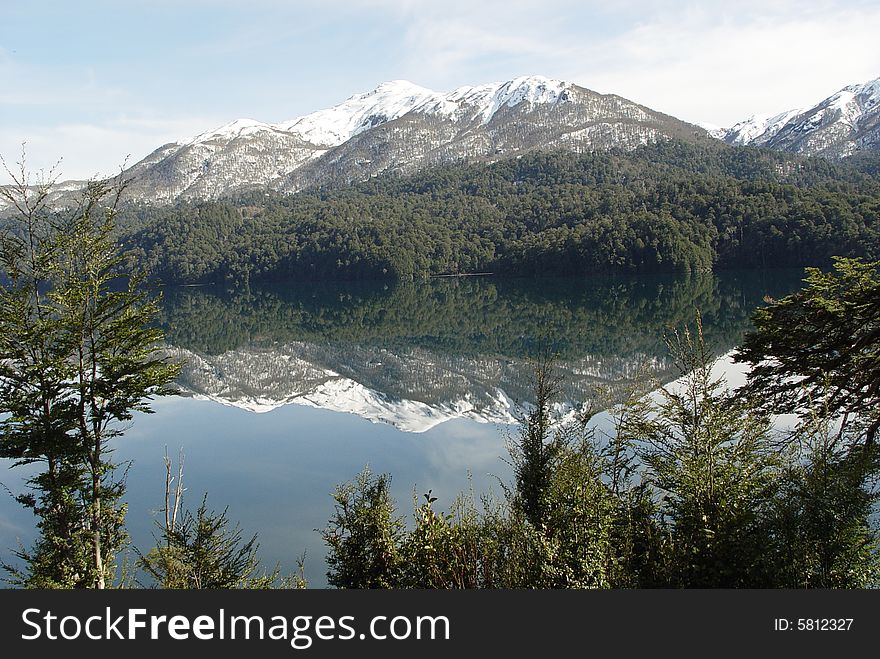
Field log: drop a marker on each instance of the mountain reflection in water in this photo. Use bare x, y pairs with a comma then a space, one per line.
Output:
414, 355
445, 357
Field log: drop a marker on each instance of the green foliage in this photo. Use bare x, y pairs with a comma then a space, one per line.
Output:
363, 535
821, 343
710, 459
823, 536
447, 550
536, 454
564, 523
564, 491
666, 207
816, 354
77, 358
575, 536
202, 550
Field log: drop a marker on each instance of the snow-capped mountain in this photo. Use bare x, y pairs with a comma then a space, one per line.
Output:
839, 126
757, 130
401, 127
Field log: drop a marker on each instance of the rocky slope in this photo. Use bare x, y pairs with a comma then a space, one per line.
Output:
398, 127
841, 125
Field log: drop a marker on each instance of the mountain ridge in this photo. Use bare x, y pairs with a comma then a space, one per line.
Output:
398, 127
401, 128
841, 125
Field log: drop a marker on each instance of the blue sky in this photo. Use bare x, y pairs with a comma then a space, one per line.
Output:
92, 82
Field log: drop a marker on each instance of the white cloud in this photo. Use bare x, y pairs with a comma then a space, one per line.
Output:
711, 61
457, 41
721, 72
89, 150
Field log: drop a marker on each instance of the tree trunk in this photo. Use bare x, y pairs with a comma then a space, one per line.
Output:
96, 519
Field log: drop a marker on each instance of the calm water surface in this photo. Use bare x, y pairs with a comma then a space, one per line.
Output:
289, 390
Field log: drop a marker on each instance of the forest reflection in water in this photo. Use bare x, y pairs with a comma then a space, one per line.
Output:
447, 358
446, 348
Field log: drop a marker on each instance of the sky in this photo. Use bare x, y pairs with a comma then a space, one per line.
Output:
89, 86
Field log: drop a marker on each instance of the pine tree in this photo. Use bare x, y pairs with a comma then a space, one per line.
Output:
816, 354
363, 536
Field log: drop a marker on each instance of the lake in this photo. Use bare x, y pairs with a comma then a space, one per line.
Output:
289, 390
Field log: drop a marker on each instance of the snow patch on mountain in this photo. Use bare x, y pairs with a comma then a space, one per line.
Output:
344, 395
484, 101
333, 126
394, 99
838, 126
714, 130
758, 128
868, 93
260, 381
341, 394
230, 131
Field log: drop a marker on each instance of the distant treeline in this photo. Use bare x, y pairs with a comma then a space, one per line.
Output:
661, 208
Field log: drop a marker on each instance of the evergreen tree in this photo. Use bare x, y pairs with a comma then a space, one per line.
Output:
710, 458
202, 550
821, 343
536, 452
816, 354
78, 358
821, 534
363, 536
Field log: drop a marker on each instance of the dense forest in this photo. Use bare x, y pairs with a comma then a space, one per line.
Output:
693, 486
661, 208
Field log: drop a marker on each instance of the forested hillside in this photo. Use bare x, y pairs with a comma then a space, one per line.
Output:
665, 207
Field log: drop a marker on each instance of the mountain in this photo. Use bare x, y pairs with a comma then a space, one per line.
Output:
843, 124
398, 127
260, 380
757, 130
